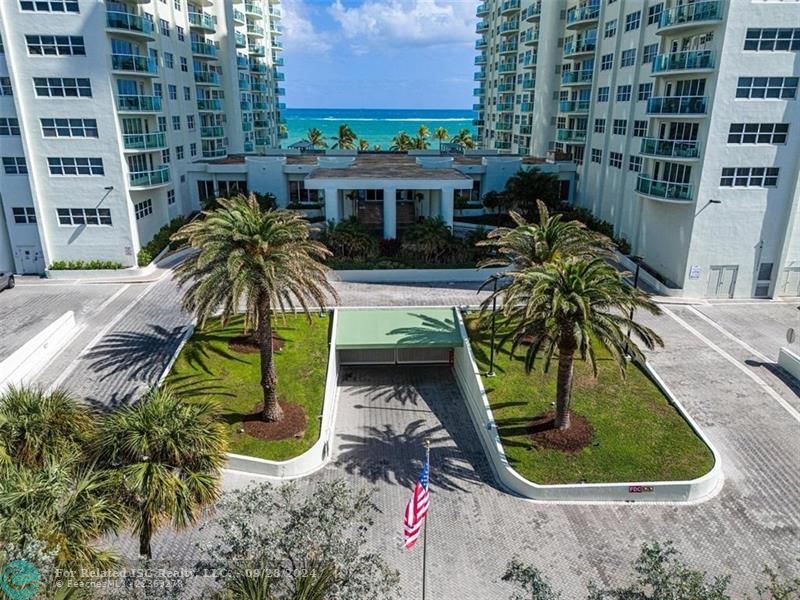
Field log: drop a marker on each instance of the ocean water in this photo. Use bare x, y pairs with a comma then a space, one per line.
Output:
378, 126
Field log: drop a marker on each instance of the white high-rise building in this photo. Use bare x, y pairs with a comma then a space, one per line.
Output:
683, 117
104, 105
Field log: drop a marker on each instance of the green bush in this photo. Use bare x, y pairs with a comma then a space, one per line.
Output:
85, 265
350, 241
160, 241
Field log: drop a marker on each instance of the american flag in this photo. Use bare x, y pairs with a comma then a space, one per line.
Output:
417, 508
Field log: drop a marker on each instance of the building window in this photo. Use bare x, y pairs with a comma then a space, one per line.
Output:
615, 159
619, 127
176, 123
63, 87
162, 124
84, 216
193, 149
602, 94
169, 60
9, 126
749, 177
55, 45
177, 5
758, 133
49, 5
645, 91
163, 27
181, 34
158, 90
187, 93
623, 93
639, 128
606, 62
610, 28
71, 165
178, 152
654, 13
143, 208
23, 215
772, 39
69, 127
597, 155
633, 20
767, 87
190, 122
171, 196
165, 158
599, 125
15, 165
628, 58
649, 52
5, 86
184, 64
172, 90
298, 194
635, 163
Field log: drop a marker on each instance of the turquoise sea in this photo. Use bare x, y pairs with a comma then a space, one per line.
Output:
378, 126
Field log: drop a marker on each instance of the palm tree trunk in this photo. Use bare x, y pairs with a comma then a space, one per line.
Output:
272, 410
145, 533
564, 388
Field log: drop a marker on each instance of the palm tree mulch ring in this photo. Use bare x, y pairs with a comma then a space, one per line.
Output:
543, 433
247, 344
292, 425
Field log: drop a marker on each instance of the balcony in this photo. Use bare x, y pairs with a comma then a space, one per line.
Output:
261, 124
695, 14
571, 136
680, 62
582, 16
139, 104
665, 191
202, 21
275, 12
477, 107
219, 152
673, 149
576, 48
482, 10
507, 47
238, 16
277, 61
530, 37
249, 147
212, 132
279, 91
247, 126
480, 75
204, 50
478, 91
577, 77
509, 27
504, 107
281, 106
244, 85
134, 63
260, 87
478, 122
246, 106
278, 76
504, 126
502, 145
254, 30
258, 50
481, 44
505, 87
144, 142
251, 9
242, 62
480, 60
574, 106
533, 12
509, 6
262, 141
240, 39
677, 105
209, 105
481, 27
207, 78
129, 24
508, 67
529, 61
276, 44
528, 84
149, 179
276, 28
526, 106
257, 67
525, 129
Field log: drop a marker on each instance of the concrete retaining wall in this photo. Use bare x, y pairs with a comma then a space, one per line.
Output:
26, 362
790, 362
412, 275
644, 277
470, 382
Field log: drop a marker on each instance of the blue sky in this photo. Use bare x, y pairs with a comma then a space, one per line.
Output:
379, 53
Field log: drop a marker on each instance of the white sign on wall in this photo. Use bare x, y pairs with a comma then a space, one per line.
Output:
694, 272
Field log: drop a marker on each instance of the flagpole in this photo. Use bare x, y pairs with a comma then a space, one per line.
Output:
425, 524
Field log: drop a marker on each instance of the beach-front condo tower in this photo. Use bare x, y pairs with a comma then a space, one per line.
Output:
684, 120
104, 104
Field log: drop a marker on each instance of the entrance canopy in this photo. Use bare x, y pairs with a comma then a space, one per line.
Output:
397, 328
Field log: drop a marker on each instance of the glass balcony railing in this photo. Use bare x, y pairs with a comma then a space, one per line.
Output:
530, 36
481, 44
209, 104
526, 106
528, 84
504, 107
508, 27
509, 6
281, 106
212, 132
525, 129
244, 85
483, 9
279, 91
677, 105
129, 22
479, 76
506, 47
246, 105
204, 49
144, 141
477, 107
258, 50
253, 29
504, 126
670, 148
532, 12
240, 39
276, 44
574, 106
505, 87
571, 135
247, 126
134, 63
502, 145
507, 67
579, 46
257, 67
238, 16
666, 190
683, 61
249, 147
207, 78
262, 141
576, 77
480, 60
252, 8
159, 176
219, 152
132, 103
529, 60
200, 19
691, 13
259, 124
481, 27
582, 14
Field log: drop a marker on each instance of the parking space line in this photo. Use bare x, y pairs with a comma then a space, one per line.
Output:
729, 335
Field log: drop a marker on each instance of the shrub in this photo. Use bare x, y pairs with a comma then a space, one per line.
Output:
390, 248
428, 241
160, 241
349, 240
85, 265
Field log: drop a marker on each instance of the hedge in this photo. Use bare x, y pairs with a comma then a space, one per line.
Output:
85, 265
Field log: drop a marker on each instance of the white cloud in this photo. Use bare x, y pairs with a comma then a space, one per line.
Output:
298, 30
396, 23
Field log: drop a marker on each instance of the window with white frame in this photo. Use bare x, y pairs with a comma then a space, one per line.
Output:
84, 216
758, 133
9, 126
165, 158
633, 20
749, 177
178, 152
654, 13
610, 28
767, 87
649, 52
602, 94
628, 58
49, 5
645, 91
143, 208
176, 122
169, 60
55, 45
187, 93
170, 197
189, 121
193, 149
597, 155
599, 125
163, 27
15, 165
639, 128
606, 62
75, 166
162, 124
69, 127
181, 34
773, 39
23, 215
62, 87
615, 159
184, 64
619, 127
5, 86
172, 90
623, 93
635, 163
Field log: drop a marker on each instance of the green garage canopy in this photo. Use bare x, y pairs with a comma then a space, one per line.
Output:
397, 327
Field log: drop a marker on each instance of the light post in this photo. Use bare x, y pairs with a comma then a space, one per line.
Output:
638, 261
494, 324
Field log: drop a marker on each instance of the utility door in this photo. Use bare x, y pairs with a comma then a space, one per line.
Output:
722, 281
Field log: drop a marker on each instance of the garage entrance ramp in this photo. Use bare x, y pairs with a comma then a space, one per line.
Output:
393, 336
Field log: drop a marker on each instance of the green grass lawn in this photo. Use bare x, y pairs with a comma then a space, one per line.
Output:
638, 435
208, 370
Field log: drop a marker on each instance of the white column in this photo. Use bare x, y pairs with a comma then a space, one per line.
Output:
332, 205
389, 213
446, 206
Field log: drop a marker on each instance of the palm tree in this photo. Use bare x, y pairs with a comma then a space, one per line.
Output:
401, 142
565, 307
423, 132
464, 138
346, 138
166, 455
441, 134
376, 148
363, 145
420, 143
262, 259
527, 186
531, 244
315, 137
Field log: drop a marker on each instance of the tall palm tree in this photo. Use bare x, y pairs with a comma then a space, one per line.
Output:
376, 148
464, 138
563, 308
363, 145
166, 455
441, 134
401, 142
420, 143
262, 259
423, 132
531, 244
346, 138
315, 137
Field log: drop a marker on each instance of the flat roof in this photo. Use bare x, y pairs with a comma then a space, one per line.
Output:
386, 166
393, 327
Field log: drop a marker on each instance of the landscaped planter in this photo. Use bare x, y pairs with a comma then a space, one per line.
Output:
432, 275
